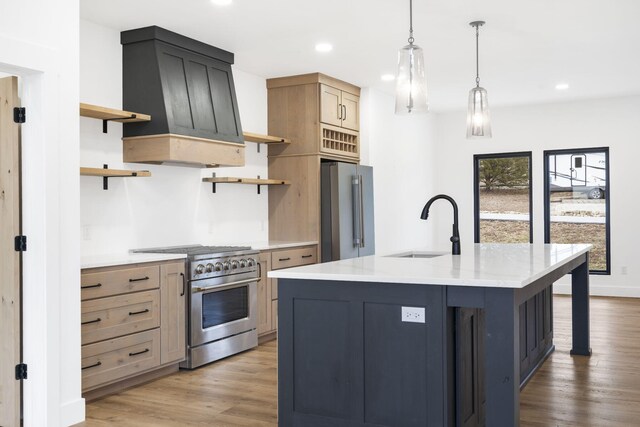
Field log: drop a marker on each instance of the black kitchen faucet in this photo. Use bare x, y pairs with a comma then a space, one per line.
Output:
455, 239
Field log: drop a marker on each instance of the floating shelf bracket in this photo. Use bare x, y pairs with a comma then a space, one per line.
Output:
105, 180
105, 121
213, 183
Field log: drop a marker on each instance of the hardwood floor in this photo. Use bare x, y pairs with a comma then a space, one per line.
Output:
603, 390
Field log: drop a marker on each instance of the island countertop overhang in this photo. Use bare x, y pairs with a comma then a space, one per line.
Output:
480, 265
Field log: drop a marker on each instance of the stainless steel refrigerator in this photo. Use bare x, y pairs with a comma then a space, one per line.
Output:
346, 211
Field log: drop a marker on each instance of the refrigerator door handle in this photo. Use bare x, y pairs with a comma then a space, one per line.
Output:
356, 210
361, 213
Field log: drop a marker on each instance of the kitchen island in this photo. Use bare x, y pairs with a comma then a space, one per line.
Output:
389, 340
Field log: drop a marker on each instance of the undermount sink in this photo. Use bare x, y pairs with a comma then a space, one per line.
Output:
413, 254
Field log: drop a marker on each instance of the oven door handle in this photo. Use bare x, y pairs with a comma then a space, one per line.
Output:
199, 289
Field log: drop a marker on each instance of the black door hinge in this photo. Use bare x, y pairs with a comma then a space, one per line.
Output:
19, 114
21, 371
21, 243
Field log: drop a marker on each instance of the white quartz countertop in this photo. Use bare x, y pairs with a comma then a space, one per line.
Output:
108, 260
485, 265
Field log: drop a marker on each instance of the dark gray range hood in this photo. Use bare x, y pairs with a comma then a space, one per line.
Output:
187, 88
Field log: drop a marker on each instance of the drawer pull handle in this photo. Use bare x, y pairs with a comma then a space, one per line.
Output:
284, 259
146, 350
97, 285
133, 313
140, 279
92, 321
95, 365
307, 256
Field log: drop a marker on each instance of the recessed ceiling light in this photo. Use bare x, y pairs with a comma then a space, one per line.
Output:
387, 77
562, 86
222, 2
324, 47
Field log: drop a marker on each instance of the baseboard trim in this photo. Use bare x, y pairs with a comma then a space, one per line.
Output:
267, 337
72, 412
600, 290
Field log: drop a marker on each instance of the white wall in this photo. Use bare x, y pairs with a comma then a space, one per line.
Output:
173, 206
39, 43
401, 151
599, 123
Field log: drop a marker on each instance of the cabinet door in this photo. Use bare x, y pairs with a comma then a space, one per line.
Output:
351, 111
264, 295
330, 105
173, 294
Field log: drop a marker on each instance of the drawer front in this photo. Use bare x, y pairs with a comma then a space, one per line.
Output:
117, 358
119, 281
112, 317
286, 258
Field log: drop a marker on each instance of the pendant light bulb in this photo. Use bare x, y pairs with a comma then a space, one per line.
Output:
411, 80
478, 119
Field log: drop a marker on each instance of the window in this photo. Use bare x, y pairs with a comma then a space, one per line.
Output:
503, 209
576, 201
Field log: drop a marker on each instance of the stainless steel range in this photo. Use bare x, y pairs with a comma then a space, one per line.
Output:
221, 310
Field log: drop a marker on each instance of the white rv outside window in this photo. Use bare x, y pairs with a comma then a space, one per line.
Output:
577, 201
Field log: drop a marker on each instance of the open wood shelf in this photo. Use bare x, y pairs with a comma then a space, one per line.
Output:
112, 173
107, 173
111, 115
255, 181
264, 139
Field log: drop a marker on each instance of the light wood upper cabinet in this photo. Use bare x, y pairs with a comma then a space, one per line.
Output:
351, 112
173, 326
317, 113
330, 105
339, 108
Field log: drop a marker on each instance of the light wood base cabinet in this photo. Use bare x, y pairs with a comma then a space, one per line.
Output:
268, 288
173, 318
133, 321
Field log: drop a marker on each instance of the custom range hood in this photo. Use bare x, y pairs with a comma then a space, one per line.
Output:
187, 88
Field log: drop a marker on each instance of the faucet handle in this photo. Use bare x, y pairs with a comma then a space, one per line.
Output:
454, 239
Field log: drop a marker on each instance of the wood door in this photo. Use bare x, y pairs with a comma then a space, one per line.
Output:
351, 111
173, 295
330, 105
264, 295
10, 260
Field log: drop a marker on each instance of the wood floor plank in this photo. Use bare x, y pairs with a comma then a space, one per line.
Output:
567, 391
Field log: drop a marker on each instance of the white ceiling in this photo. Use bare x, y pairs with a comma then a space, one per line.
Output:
525, 48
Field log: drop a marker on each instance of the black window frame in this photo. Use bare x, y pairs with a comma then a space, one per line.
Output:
476, 188
607, 199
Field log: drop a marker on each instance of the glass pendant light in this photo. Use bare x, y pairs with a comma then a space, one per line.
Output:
411, 81
478, 120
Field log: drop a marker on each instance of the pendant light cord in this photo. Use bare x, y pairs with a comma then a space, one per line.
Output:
477, 57
411, 39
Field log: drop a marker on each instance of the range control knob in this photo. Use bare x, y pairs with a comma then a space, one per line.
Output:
209, 268
218, 266
234, 264
243, 263
225, 265
251, 262
199, 269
